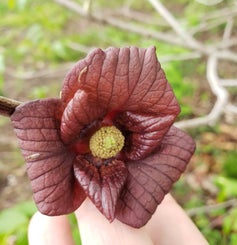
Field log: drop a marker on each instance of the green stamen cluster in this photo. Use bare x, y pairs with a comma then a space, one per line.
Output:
107, 142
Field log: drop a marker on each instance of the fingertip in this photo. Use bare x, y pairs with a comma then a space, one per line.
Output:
49, 230
170, 224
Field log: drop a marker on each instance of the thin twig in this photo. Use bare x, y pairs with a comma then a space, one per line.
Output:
7, 106
228, 29
206, 26
179, 57
88, 7
228, 82
226, 43
190, 41
227, 55
231, 108
210, 208
79, 47
221, 102
209, 3
139, 17
49, 73
222, 13
124, 25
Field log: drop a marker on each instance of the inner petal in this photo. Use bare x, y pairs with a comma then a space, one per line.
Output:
78, 114
144, 132
102, 184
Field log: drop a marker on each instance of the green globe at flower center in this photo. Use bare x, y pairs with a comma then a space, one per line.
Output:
107, 142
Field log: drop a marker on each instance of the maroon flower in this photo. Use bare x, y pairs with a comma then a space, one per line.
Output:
109, 137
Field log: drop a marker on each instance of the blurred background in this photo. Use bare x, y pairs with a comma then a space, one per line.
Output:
196, 43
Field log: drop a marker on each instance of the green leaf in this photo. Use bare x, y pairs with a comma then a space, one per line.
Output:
74, 228
230, 164
27, 208
11, 4
233, 239
227, 186
14, 223
230, 222
11, 220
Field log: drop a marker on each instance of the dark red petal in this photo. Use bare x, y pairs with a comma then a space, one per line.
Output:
78, 114
122, 79
144, 132
49, 164
86, 71
151, 178
102, 184
125, 79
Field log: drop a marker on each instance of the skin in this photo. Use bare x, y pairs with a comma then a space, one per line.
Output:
169, 225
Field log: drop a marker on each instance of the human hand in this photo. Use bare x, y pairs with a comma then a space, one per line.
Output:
169, 225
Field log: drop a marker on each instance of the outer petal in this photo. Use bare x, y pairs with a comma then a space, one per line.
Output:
49, 163
151, 178
121, 80
103, 184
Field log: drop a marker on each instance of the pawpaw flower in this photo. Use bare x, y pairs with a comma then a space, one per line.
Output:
109, 137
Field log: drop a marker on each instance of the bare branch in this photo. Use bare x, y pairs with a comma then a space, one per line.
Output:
49, 73
79, 47
231, 108
179, 57
206, 26
221, 102
209, 3
131, 14
214, 19
210, 208
228, 82
222, 13
124, 25
73, 6
228, 29
88, 7
191, 42
227, 55
7, 106
226, 43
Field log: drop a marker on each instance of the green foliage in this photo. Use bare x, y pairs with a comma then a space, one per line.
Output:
2, 69
40, 92
197, 132
230, 164
213, 236
182, 88
230, 222
14, 223
29, 30
227, 187
74, 227
227, 184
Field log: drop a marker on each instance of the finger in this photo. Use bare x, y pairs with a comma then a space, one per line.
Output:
171, 225
45, 230
95, 229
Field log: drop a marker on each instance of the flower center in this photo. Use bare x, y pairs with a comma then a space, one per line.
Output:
106, 142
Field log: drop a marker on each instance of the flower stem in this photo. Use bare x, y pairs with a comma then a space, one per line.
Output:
7, 106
